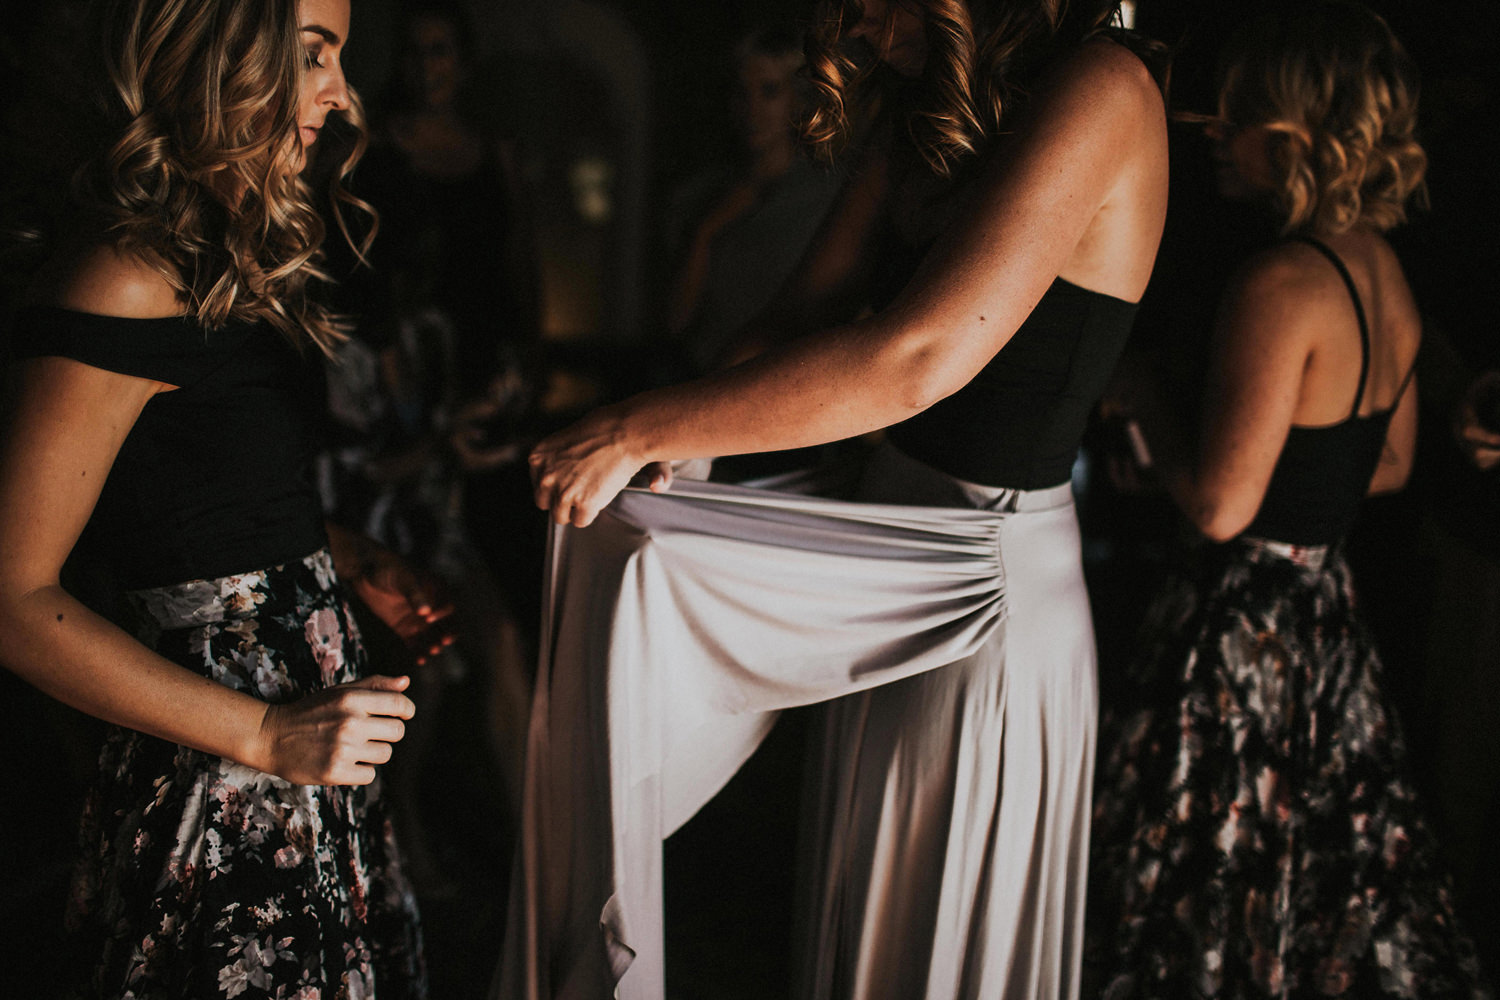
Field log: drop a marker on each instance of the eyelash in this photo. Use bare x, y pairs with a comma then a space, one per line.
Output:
313, 59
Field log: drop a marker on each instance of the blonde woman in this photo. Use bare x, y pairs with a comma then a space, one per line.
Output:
971, 289
169, 396
1255, 836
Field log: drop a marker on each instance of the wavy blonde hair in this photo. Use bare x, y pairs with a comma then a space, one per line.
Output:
1339, 94
981, 57
200, 168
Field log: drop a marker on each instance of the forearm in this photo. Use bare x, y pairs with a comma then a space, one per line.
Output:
827, 387
57, 645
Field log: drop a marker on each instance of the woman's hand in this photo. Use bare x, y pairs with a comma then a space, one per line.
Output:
336, 736
1478, 438
409, 601
580, 469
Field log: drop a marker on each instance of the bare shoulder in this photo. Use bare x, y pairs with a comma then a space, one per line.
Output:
1106, 78
1285, 291
104, 280
1290, 268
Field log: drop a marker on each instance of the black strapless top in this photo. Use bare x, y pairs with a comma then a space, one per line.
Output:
1018, 423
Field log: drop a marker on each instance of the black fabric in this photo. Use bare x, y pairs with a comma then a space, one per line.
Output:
214, 478
1018, 423
1323, 473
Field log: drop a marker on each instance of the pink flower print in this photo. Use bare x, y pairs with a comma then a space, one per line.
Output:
288, 857
234, 807
357, 891
1397, 846
323, 635
181, 870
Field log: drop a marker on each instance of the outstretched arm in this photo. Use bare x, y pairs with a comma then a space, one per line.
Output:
1031, 212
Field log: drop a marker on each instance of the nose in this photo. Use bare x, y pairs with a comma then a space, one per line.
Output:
335, 91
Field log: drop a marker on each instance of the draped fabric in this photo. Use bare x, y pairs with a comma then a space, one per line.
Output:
676, 626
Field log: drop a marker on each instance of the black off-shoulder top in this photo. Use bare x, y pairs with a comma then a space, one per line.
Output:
215, 477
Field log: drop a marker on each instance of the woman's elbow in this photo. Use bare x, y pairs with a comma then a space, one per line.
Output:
922, 374
1220, 521
1220, 528
1390, 479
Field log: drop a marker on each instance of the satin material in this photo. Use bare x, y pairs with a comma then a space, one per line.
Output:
678, 624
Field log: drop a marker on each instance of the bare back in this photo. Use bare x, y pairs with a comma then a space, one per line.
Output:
1331, 377
1116, 249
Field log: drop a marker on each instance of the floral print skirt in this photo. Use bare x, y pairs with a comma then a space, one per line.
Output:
1254, 833
204, 878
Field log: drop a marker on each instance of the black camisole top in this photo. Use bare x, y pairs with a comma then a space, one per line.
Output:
215, 477
1323, 473
1018, 423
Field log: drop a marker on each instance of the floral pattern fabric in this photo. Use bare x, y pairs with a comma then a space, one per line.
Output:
1254, 833
205, 878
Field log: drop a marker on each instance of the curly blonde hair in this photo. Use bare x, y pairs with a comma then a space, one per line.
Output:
199, 172
981, 57
1338, 93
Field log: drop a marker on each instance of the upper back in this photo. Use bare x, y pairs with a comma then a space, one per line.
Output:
1331, 379
1115, 253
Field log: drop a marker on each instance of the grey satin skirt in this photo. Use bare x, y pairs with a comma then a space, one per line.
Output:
947, 625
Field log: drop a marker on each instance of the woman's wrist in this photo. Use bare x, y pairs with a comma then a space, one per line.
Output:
628, 433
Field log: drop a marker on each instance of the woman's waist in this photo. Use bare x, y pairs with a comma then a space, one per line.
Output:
237, 596
892, 474
1259, 549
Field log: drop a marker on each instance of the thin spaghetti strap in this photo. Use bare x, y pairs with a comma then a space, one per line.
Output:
1359, 312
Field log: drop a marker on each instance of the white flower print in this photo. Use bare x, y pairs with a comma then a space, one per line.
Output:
241, 595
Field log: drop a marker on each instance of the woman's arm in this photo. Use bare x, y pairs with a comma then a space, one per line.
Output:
1400, 444
1264, 338
1032, 208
